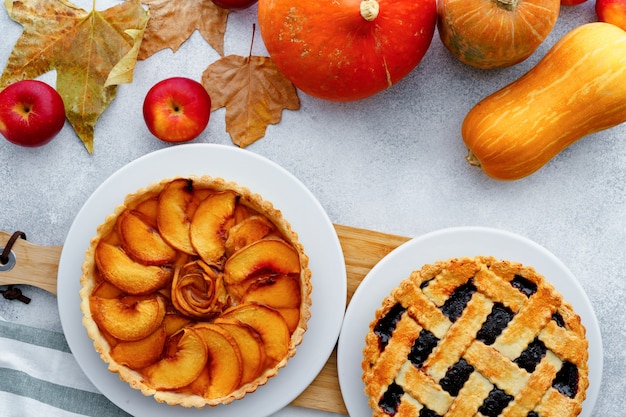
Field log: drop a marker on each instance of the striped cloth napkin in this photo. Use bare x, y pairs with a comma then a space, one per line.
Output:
39, 377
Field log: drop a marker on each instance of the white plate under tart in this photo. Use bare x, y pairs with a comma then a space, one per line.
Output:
441, 245
299, 207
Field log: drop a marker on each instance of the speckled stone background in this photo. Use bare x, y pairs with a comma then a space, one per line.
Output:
392, 163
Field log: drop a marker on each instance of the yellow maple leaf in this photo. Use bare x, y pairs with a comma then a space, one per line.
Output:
92, 53
172, 23
254, 93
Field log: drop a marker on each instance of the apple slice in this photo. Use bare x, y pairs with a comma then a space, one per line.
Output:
126, 274
172, 215
224, 363
269, 324
183, 363
247, 231
142, 241
281, 292
129, 318
250, 345
104, 289
173, 322
210, 224
273, 255
140, 353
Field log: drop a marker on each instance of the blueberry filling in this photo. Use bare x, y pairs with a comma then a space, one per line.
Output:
456, 377
422, 347
495, 403
496, 321
426, 412
390, 400
531, 356
385, 326
454, 306
566, 380
558, 319
532, 414
527, 287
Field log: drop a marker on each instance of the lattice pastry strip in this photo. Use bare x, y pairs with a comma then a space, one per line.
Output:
489, 338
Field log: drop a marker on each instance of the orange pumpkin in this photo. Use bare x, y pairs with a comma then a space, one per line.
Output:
346, 50
495, 33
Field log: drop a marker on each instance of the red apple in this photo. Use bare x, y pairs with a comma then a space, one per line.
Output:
31, 113
234, 4
612, 11
177, 109
571, 2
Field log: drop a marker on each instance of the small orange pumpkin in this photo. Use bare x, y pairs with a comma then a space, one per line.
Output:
346, 50
495, 33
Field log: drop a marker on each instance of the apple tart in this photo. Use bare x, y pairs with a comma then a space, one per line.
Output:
195, 291
475, 337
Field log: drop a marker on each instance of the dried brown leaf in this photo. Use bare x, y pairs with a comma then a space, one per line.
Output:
172, 23
254, 93
92, 53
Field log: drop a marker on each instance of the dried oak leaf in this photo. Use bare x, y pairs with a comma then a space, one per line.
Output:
92, 53
172, 23
254, 93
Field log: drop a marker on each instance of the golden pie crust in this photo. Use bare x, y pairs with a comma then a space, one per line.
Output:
475, 336
201, 320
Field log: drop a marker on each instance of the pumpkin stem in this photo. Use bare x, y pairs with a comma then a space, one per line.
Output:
509, 5
472, 159
369, 9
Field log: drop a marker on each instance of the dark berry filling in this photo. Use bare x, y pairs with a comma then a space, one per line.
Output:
532, 414
385, 326
454, 306
531, 356
558, 319
527, 287
422, 347
456, 377
495, 403
390, 400
566, 380
496, 321
425, 412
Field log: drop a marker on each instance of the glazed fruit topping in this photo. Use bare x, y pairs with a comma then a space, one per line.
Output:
530, 358
422, 347
495, 402
456, 377
454, 306
496, 321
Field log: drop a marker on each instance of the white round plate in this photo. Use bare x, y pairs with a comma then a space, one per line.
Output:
445, 244
273, 183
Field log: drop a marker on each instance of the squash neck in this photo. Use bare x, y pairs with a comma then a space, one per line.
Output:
509, 5
369, 9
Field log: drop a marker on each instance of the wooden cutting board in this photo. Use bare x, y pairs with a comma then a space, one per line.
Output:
362, 249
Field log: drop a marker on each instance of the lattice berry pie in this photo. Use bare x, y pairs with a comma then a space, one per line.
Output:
475, 337
196, 291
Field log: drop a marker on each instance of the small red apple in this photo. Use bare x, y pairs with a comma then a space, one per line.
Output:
177, 109
234, 4
571, 2
31, 113
612, 11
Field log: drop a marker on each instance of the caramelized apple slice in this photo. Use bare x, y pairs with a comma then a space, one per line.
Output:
129, 276
172, 215
174, 322
251, 229
273, 255
224, 363
143, 242
180, 368
250, 345
269, 324
210, 224
105, 289
281, 292
141, 353
129, 318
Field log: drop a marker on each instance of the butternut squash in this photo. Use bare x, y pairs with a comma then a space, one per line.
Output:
577, 88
